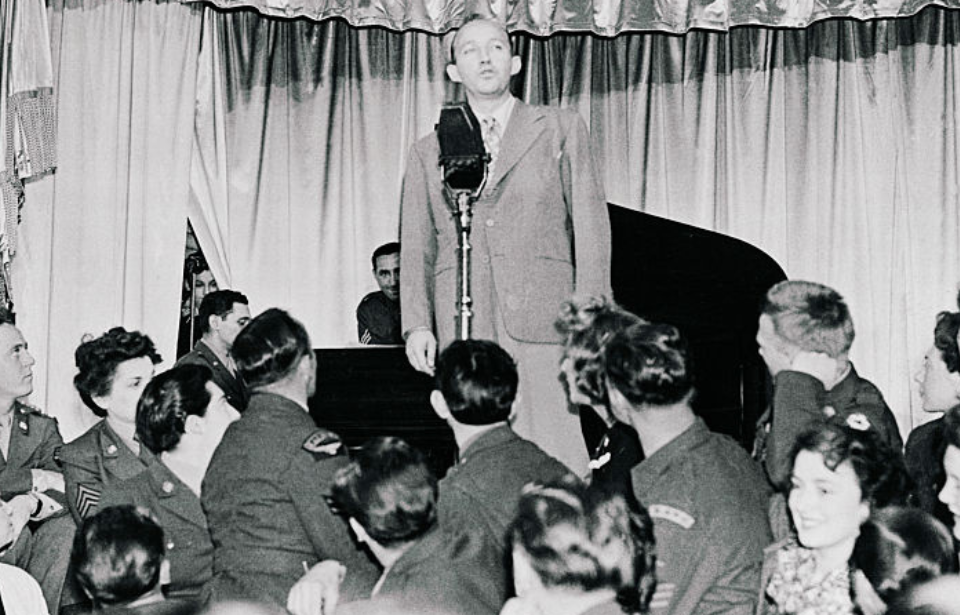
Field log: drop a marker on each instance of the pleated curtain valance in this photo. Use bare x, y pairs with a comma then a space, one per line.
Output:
602, 17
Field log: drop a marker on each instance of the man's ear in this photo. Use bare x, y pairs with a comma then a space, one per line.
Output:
439, 404
515, 65
454, 73
194, 424
213, 322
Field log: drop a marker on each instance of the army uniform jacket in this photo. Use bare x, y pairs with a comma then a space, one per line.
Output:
800, 400
34, 445
264, 497
481, 492
233, 386
177, 509
93, 461
708, 501
378, 320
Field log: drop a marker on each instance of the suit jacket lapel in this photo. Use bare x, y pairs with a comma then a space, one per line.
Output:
523, 128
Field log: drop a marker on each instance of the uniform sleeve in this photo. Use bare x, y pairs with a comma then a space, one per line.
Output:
418, 245
797, 402
588, 207
17, 480
307, 482
84, 481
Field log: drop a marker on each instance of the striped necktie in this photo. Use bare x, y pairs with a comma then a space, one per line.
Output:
491, 138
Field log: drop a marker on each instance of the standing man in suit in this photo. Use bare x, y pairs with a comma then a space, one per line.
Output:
540, 233
223, 314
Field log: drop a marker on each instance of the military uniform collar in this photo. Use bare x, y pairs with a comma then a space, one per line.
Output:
163, 482
661, 460
488, 439
847, 385
273, 402
112, 446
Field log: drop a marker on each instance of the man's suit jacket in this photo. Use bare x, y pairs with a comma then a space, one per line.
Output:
233, 386
540, 232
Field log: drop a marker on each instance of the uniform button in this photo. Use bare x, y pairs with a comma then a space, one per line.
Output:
490, 222
485, 259
111, 449
170, 546
167, 487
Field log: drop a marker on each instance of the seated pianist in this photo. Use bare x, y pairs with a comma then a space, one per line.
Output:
378, 315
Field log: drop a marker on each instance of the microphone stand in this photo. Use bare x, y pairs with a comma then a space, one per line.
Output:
461, 201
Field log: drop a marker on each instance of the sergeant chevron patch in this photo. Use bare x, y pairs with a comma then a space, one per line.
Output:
87, 499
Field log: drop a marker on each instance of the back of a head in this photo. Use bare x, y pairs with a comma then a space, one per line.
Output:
899, 547
586, 326
582, 539
117, 555
7, 317
810, 316
218, 303
389, 489
945, 339
167, 401
269, 348
649, 364
478, 381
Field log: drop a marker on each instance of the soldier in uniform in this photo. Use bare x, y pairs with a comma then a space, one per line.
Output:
378, 315
707, 497
264, 492
31, 484
113, 370
181, 418
223, 314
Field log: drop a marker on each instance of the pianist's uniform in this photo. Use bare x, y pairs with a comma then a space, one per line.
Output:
540, 233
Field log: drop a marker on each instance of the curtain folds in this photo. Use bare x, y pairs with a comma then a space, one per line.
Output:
602, 17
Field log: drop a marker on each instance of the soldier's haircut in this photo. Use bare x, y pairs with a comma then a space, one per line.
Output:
7, 317
117, 555
389, 490
811, 316
270, 347
648, 363
385, 250
218, 303
478, 380
167, 401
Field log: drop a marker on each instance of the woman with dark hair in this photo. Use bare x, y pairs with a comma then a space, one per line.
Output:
181, 418
840, 472
113, 370
586, 327
898, 548
579, 551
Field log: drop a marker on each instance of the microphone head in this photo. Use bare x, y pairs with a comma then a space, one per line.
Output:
463, 157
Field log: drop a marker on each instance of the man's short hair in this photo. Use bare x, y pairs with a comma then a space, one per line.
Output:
167, 401
218, 303
117, 555
389, 490
7, 317
385, 250
270, 347
811, 316
478, 380
649, 364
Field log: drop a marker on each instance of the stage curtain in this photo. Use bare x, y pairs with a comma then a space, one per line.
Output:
103, 237
832, 148
603, 17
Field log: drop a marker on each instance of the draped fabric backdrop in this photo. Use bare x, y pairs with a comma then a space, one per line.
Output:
832, 148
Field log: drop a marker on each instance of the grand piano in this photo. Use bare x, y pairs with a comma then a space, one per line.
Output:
707, 284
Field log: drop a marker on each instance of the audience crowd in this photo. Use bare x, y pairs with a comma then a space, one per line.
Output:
209, 488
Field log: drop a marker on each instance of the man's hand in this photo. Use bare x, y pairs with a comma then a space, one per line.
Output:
45, 480
8, 535
422, 350
817, 364
318, 591
20, 509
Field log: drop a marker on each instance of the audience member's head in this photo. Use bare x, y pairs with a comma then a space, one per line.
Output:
934, 597
184, 403
272, 347
117, 555
16, 362
647, 365
939, 379
198, 280
243, 607
586, 326
839, 475
571, 538
386, 269
388, 494
476, 383
950, 494
897, 548
113, 369
223, 314
803, 316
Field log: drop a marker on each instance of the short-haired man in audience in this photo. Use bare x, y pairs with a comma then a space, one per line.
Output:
378, 315
264, 492
389, 496
31, 483
476, 383
223, 315
805, 333
707, 497
118, 556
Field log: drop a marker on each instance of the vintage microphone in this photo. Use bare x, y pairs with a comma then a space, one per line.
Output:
463, 170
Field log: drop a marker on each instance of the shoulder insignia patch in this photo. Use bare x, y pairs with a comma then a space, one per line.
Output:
674, 515
323, 443
88, 498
